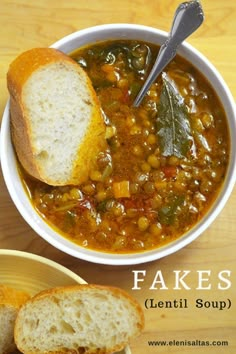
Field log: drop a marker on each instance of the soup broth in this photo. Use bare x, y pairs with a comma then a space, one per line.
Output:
165, 160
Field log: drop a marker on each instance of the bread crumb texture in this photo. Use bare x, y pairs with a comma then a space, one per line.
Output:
91, 318
56, 122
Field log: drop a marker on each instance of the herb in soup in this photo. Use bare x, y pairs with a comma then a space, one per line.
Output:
165, 161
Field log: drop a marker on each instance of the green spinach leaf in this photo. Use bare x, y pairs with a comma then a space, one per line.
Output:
168, 212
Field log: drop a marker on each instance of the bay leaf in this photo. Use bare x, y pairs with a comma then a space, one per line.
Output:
173, 127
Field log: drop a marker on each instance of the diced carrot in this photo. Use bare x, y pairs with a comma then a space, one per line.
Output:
107, 68
121, 189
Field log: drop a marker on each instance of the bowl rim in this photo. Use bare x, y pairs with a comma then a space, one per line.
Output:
42, 260
144, 256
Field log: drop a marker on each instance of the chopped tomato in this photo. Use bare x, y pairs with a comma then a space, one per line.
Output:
170, 171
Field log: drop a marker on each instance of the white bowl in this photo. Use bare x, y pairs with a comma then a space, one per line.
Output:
17, 192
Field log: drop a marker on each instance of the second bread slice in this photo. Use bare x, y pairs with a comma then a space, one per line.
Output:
11, 300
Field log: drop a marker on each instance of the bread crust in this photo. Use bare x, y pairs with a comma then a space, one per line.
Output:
20, 70
70, 290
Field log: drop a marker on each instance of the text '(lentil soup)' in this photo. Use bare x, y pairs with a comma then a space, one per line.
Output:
165, 160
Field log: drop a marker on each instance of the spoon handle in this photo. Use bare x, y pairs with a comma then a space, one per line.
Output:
188, 17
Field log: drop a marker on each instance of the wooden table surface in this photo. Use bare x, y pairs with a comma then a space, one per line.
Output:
28, 23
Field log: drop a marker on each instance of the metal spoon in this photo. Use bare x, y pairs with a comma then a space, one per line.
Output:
188, 17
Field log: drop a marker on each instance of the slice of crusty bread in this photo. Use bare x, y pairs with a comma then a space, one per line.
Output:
99, 319
56, 122
10, 302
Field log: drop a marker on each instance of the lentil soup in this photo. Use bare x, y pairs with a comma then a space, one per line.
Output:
165, 160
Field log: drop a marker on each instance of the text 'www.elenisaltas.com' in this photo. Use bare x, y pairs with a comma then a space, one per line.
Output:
188, 343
